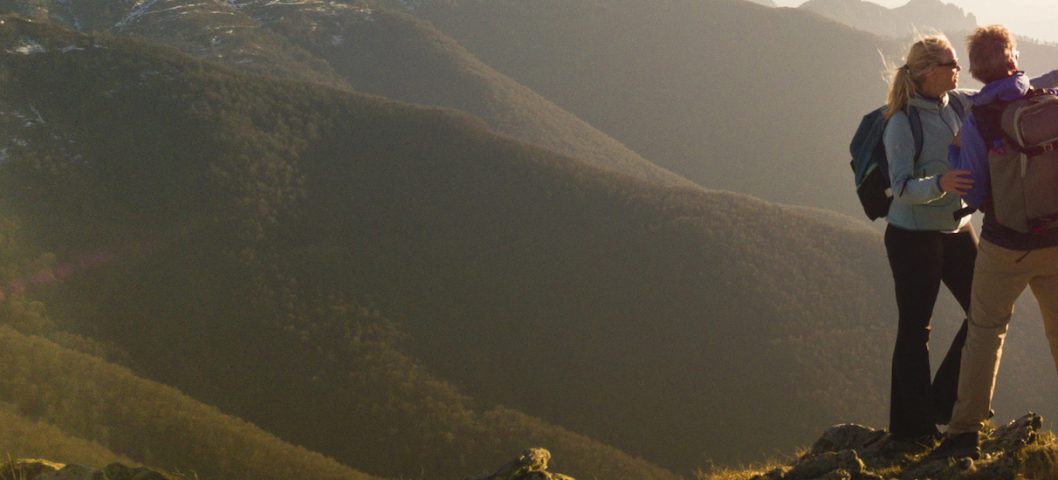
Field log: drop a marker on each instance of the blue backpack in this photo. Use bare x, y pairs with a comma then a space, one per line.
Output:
870, 167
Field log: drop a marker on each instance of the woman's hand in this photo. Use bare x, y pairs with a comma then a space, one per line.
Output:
956, 181
957, 140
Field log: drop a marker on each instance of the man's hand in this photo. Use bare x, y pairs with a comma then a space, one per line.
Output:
956, 181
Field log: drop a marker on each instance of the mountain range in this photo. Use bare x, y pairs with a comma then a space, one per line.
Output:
412, 290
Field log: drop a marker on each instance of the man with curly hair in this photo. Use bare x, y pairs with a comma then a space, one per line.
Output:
1008, 259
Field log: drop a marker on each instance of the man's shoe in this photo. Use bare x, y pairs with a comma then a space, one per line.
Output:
960, 445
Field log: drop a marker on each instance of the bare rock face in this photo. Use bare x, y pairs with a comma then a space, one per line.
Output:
530, 465
845, 437
45, 470
856, 452
69, 472
26, 469
1015, 435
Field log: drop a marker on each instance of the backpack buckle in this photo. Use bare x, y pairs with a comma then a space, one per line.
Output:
1048, 147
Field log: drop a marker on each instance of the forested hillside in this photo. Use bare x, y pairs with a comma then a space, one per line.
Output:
70, 405
244, 220
149, 202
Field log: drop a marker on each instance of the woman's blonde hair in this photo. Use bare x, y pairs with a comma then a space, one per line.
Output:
925, 53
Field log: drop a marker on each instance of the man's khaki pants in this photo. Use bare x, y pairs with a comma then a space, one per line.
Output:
1000, 275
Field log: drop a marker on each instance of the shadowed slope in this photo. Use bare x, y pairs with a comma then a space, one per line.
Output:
403, 58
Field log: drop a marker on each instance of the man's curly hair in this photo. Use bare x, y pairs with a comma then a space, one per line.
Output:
991, 52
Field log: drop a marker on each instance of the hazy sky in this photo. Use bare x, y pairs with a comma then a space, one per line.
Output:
1033, 18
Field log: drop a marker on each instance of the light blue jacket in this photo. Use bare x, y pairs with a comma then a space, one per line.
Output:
918, 202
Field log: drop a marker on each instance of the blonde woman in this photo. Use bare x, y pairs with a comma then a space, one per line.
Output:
927, 241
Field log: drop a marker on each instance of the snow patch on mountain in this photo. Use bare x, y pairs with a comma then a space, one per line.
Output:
328, 7
24, 130
173, 8
139, 9
27, 46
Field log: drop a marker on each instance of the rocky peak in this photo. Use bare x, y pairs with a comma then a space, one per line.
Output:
856, 452
530, 465
940, 15
908, 19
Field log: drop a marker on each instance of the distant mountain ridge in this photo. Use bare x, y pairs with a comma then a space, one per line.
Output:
916, 16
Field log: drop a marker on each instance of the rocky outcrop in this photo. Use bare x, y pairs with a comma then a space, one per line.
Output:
530, 465
46, 470
26, 469
855, 452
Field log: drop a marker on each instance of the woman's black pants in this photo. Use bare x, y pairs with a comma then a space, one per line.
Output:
920, 261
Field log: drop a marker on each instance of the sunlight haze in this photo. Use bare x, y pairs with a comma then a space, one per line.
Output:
1032, 18
380, 239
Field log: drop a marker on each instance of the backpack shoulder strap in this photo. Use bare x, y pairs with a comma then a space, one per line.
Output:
916, 133
916, 130
989, 118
